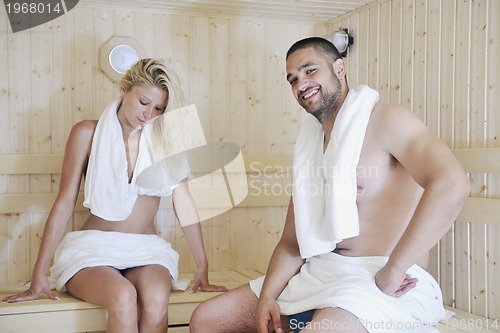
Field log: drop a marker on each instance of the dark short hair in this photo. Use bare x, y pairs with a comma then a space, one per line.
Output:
322, 46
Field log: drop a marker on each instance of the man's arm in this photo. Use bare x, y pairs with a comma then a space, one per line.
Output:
434, 167
284, 264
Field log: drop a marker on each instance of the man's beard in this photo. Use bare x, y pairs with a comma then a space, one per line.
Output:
327, 106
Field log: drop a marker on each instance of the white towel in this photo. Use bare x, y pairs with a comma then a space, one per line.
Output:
324, 185
332, 280
108, 193
91, 248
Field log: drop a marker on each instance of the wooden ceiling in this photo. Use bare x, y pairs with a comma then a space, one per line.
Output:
301, 10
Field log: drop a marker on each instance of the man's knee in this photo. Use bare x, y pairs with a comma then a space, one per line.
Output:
201, 317
233, 311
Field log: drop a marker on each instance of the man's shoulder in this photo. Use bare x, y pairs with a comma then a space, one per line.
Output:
387, 116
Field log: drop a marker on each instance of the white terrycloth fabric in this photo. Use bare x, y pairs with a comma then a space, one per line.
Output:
324, 185
332, 280
91, 248
108, 192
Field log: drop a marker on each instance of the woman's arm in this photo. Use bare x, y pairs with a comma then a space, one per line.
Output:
74, 163
187, 214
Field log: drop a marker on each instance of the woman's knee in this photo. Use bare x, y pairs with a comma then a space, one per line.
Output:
154, 304
122, 299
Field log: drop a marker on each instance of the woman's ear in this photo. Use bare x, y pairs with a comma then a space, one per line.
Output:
339, 68
122, 92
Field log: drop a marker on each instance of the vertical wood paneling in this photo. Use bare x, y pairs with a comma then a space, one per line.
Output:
83, 69
105, 90
462, 137
395, 51
447, 134
478, 113
62, 81
493, 140
182, 64
238, 98
221, 130
373, 47
353, 52
4, 139
384, 51
362, 51
419, 61
407, 51
433, 55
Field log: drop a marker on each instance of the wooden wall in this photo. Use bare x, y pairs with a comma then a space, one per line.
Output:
441, 59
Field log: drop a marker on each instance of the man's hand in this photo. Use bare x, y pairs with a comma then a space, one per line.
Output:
268, 315
394, 284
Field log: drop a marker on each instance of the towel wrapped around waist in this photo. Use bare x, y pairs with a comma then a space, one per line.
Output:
332, 280
91, 248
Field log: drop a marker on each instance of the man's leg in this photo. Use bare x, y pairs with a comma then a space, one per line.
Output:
233, 311
334, 320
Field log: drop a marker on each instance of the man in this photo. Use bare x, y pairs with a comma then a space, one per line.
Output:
409, 189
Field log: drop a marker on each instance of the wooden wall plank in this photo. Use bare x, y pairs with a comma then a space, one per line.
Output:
395, 51
374, 40
446, 116
353, 52
384, 52
407, 51
462, 138
419, 82
478, 139
432, 101
105, 89
493, 139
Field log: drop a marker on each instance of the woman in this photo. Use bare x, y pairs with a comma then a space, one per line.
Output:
116, 260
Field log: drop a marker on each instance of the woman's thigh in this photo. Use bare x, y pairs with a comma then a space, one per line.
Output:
151, 282
102, 285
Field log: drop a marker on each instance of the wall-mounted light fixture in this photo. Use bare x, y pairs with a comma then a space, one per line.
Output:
341, 40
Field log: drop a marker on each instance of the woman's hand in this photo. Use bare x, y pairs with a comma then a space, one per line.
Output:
201, 282
38, 287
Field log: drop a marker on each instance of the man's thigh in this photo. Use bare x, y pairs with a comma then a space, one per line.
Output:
334, 320
233, 311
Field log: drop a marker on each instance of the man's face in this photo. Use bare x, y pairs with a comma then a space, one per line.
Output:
314, 83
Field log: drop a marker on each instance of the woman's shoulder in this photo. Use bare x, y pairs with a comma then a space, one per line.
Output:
82, 133
84, 129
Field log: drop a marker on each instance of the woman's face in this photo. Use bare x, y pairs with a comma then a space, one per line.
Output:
141, 104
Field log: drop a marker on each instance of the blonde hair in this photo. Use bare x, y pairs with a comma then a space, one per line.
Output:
152, 72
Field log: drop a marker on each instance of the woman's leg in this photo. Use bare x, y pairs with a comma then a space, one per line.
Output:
153, 284
107, 287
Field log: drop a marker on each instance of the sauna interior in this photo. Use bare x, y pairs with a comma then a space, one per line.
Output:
438, 58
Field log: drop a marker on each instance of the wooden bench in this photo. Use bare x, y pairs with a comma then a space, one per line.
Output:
72, 315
